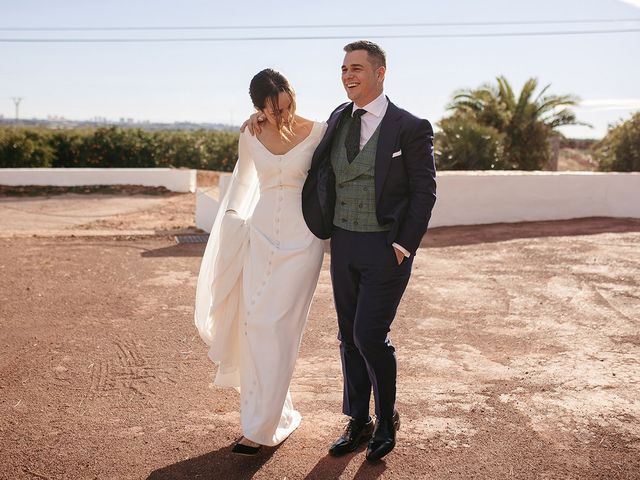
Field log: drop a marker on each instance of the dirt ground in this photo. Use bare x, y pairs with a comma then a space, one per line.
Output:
518, 348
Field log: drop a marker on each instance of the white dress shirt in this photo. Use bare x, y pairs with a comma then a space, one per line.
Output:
369, 122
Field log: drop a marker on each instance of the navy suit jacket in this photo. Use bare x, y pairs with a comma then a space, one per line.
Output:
405, 184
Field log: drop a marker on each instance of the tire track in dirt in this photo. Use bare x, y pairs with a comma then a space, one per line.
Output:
126, 370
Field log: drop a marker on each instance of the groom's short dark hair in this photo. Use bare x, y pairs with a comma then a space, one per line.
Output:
376, 54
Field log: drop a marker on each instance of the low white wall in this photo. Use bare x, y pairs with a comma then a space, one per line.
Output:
206, 209
471, 198
174, 179
468, 198
207, 204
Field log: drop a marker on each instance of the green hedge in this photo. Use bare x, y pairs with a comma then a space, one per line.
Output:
111, 147
465, 144
619, 150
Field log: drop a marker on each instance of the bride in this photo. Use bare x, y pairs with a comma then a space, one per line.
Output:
261, 266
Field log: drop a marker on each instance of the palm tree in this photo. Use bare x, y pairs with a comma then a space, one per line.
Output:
527, 122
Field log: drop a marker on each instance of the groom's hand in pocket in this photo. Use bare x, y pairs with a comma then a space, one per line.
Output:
399, 255
253, 123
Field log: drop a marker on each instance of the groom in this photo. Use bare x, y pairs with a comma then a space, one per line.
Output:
371, 188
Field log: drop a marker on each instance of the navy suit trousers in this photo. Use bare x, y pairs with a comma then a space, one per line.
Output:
368, 284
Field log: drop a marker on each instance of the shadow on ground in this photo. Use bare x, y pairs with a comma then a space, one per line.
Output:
216, 465
501, 232
177, 250
332, 467
472, 234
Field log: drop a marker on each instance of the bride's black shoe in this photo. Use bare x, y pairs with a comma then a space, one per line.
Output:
241, 449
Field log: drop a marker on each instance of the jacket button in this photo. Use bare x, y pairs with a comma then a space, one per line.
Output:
344, 220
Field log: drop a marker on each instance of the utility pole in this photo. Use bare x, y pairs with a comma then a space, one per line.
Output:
17, 101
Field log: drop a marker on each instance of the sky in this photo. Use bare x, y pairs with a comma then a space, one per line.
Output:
207, 81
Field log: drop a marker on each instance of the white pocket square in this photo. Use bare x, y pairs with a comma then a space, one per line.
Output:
396, 154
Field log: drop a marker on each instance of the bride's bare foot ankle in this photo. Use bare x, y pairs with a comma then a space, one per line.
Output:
248, 443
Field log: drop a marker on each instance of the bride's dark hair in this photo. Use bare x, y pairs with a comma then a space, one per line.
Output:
266, 86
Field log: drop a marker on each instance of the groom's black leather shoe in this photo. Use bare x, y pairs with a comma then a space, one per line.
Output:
355, 433
384, 437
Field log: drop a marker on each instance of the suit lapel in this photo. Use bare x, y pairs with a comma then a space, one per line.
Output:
389, 129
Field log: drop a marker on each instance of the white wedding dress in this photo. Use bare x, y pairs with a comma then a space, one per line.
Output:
258, 275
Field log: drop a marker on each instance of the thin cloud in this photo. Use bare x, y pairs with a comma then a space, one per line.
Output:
635, 3
611, 104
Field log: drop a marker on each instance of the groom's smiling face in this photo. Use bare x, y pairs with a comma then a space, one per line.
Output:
362, 81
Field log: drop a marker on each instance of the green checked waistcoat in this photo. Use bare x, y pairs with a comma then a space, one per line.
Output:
355, 184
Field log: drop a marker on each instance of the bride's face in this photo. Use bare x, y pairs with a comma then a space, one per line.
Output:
284, 110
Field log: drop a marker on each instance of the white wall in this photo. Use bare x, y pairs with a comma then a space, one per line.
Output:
174, 179
206, 209
469, 198
207, 204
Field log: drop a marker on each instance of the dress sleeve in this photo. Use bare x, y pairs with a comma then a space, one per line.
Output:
219, 286
244, 176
